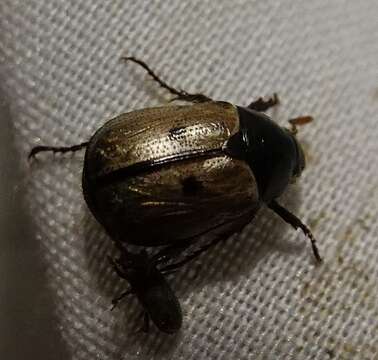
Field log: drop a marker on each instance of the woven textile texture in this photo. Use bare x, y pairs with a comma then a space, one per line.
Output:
260, 295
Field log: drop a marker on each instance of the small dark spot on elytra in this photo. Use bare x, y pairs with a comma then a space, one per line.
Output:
191, 185
177, 131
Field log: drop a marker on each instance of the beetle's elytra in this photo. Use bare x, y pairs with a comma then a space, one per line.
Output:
166, 175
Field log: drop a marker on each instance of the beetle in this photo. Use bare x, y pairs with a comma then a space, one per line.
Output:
166, 175
149, 285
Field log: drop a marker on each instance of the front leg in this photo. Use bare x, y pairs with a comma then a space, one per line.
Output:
262, 105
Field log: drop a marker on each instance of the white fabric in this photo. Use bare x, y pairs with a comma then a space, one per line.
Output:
260, 296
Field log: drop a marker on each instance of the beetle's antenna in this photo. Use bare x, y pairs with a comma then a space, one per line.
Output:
295, 223
299, 121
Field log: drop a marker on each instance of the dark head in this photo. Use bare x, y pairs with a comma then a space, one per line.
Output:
273, 153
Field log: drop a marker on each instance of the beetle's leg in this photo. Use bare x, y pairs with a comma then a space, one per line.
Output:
189, 241
171, 251
56, 149
121, 274
116, 268
179, 94
169, 272
262, 105
173, 267
295, 223
119, 298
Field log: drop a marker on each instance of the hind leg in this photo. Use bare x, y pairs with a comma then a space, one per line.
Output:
56, 149
179, 94
296, 223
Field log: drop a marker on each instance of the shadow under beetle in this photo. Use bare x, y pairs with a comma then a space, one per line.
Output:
164, 176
